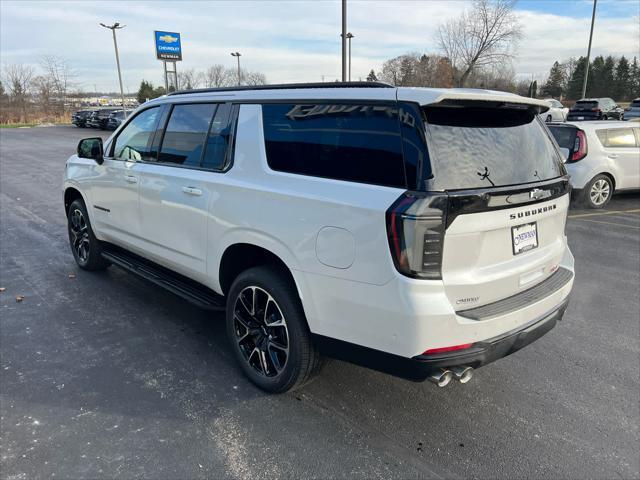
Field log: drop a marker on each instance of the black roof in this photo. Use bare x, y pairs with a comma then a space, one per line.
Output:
287, 86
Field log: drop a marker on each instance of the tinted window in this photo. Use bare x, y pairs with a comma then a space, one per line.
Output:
185, 134
565, 136
617, 137
635, 103
218, 138
586, 104
484, 147
133, 142
359, 143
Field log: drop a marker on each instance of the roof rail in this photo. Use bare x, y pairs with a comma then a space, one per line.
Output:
286, 86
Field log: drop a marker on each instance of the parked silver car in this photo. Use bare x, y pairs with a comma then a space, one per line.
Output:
632, 112
601, 158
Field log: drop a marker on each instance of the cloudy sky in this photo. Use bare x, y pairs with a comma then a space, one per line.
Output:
290, 41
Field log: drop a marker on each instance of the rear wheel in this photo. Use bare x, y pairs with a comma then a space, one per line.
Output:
268, 331
598, 192
548, 119
604, 117
85, 247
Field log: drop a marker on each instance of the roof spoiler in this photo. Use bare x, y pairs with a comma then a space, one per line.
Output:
492, 101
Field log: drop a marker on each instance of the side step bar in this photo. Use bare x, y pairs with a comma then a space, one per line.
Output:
184, 287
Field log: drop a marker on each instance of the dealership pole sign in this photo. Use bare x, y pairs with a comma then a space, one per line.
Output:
168, 46
169, 50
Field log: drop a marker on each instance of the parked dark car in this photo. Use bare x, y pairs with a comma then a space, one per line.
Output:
100, 117
79, 118
116, 118
595, 109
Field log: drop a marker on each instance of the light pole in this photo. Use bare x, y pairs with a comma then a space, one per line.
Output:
349, 37
344, 40
586, 68
113, 28
237, 55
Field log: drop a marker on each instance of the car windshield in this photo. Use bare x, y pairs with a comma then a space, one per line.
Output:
485, 147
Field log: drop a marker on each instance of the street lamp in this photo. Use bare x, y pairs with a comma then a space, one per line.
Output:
349, 37
237, 55
113, 28
586, 69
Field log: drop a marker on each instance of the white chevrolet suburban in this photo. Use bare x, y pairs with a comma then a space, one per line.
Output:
417, 231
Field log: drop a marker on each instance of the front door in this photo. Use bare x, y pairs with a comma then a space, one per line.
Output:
114, 192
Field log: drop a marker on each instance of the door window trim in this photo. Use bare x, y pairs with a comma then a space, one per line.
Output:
112, 144
232, 122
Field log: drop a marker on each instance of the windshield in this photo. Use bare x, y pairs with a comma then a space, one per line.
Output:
487, 147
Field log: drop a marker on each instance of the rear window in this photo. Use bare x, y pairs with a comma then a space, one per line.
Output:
352, 142
486, 147
635, 103
565, 136
586, 104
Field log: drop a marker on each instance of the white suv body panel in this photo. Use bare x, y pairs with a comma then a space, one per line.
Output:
331, 234
623, 164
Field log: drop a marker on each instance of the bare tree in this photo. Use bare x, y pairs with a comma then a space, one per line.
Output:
218, 76
415, 70
486, 35
19, 78
58, 74
190, 79
253, 78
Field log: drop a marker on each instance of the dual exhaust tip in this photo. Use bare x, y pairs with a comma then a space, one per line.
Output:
443, 377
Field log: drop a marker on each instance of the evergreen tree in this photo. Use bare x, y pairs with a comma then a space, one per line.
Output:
554, 85
145, 92
533, 89
372, 76
635, 79
607, 78
574, 87
595, 80
622, 84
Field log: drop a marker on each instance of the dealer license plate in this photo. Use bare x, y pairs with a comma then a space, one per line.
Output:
524, 237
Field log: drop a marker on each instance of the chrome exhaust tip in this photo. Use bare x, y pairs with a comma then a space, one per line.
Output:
441, 378
462, 374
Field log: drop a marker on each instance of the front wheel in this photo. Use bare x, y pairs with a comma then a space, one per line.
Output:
549, 119
268, 331
598, 192
85, 247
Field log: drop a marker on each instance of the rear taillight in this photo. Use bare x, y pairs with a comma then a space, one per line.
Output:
415, 227
628, 109
596, 110
579, 147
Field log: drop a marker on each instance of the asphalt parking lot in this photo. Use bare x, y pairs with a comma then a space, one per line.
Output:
103, 376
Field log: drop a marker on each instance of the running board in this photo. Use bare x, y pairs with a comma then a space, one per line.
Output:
180, 285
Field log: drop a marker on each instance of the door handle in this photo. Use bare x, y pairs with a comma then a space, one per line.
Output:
131, 179
192, 191
613, 155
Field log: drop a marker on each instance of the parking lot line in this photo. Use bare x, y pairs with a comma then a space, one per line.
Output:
610, 212
610, 223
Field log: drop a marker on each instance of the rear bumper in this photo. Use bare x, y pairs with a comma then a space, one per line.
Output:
487, 351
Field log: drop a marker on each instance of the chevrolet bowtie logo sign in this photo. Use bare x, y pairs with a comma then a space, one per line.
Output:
168, 47
168, 39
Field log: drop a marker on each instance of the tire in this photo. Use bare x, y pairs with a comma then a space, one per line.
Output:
597, 193
86, 248
549, 119
268, 331
604, 117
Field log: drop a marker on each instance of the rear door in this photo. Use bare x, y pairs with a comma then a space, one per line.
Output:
622, 150
508, 200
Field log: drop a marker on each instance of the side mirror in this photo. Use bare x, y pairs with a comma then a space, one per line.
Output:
91, 148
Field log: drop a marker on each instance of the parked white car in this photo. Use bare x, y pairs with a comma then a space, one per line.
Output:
556, 113
602, 157
419, 231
